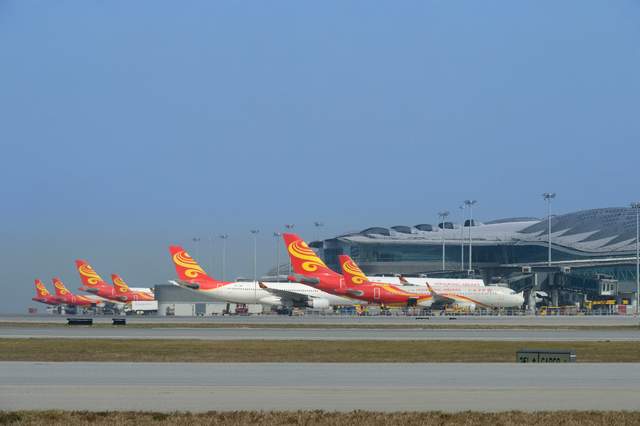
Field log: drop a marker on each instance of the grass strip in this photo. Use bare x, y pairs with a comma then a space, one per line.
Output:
178, 350
320, 418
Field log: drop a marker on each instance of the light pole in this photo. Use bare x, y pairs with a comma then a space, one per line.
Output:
461, 237
196, 242
224, 238
277, 236
289, 227
636, 206
213, 255
443, 215
318, 225
548, 196
255, 256
470, 203
255, 232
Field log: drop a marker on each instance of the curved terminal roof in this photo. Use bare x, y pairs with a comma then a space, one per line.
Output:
375, 230
402, 229
598, 231
512, 220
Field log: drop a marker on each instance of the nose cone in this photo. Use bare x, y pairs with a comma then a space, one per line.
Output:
519, 299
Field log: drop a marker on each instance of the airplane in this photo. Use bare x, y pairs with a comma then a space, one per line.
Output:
43, 295
68, 298
134, 295
93, 283
422, 281
287, 294
359, 287
470, 298
311, 270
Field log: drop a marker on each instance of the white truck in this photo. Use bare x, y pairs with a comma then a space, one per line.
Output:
145, 307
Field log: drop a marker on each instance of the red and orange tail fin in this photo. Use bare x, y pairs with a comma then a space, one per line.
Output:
41, 290
88, 276
187, 268
119, 284
351, 272
59, 287
304, 260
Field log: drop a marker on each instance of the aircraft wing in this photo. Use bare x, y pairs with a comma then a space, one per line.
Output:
440, 298
98, 299
287, 297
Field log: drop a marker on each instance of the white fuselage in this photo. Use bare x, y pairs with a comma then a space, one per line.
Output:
433, 282
482, 297
102, 300
468, 292
251, 293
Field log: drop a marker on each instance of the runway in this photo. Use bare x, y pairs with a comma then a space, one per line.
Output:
342, 387
317, 334
312, 319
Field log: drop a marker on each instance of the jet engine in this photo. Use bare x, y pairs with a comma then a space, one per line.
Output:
271, 300
467, 306
318, 303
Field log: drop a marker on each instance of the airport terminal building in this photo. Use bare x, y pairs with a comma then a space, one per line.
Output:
593, 252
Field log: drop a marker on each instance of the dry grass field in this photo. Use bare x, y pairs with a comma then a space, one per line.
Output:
299, 351
321, 418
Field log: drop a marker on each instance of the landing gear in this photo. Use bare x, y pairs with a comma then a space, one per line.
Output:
283, 310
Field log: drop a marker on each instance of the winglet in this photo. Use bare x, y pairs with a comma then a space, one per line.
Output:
262, 285
430, 289
403, 280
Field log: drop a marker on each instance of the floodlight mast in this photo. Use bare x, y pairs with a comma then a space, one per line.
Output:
289, 227
636, 207
255, 232
443, 215
224, 237
470, 204
462, 237
277, 236
548, 196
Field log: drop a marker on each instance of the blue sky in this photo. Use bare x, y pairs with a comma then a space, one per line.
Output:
126, 126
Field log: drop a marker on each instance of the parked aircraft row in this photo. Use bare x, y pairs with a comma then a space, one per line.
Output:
317, 286
312, 285
101, 291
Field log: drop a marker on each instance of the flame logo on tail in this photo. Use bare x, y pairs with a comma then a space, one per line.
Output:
42, 290
310, 260
355, 273
91, 277
191, 267
62, 290
120, 284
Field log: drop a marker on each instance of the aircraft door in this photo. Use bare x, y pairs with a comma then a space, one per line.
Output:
376, 293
